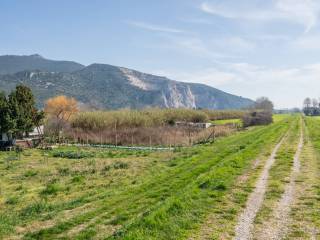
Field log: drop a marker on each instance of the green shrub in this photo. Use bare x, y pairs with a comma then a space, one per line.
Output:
72, 154
77, 179
120, 165
51, 189
35, 208
30, 173
106, 168
12, 200
64, 171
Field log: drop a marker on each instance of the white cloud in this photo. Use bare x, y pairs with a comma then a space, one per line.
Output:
304, 12
197, 21
234, 44
231, 48
156, 28
306, 42
196, 47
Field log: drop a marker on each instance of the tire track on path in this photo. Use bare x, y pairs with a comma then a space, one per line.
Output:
244, 227
277, 227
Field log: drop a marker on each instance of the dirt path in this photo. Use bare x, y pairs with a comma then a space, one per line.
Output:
278, 225
244, 227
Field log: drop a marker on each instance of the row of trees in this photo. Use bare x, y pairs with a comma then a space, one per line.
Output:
311, 107
18, 113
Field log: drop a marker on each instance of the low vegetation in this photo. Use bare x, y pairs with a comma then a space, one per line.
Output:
254, 118
305, 223
148, 127
126, 194
260, 115
146, 118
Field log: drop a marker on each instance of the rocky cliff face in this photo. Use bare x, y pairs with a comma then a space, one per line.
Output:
107, 86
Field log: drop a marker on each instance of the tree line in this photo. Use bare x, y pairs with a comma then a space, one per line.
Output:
18, 112
19, 115
311, 107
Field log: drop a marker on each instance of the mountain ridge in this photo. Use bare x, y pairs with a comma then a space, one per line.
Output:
10, 64
105, 86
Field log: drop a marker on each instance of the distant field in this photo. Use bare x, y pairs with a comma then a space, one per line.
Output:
227, 121
276, 118
87, 193
280, 117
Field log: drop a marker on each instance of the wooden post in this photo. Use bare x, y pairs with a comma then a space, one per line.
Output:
150, 142
116, 139
132, 140
115, 129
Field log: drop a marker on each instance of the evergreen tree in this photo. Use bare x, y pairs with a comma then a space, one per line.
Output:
7, 123
22, 105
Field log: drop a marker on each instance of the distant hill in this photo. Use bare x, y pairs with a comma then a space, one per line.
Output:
11, 64
106, 86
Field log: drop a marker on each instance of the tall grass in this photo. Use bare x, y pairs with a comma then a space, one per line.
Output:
152, 126
102, 120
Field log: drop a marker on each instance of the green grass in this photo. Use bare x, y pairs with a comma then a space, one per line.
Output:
227, 121
280, 117
127, 194
278, 176
305, 216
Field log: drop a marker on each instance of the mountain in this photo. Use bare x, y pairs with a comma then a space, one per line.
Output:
11, 64
106, 86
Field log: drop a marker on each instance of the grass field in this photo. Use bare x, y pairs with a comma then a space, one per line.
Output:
276, 118
305, 223
227, 121
189, 193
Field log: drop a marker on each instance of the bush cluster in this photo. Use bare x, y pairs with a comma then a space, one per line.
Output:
257, 118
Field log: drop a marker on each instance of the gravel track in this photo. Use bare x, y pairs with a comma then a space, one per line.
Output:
244, 227
278, 225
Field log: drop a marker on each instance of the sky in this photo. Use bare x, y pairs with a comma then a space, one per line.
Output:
249, 48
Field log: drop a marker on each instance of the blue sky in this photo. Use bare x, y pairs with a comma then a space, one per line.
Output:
250, 48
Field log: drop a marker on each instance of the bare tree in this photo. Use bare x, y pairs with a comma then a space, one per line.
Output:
307, 103
263, 103
315, 103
